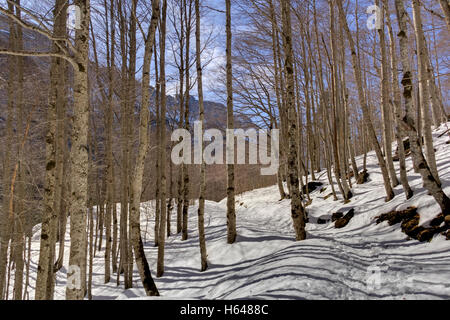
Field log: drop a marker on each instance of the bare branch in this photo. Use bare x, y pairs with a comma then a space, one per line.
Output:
45, 32
39, 54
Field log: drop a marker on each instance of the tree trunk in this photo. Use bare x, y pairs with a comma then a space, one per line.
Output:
445, 5
45, 281
125, 171
297, 210
79, 156
19, 217
231, 213
385, 108
109, 120
408, 121
201, 201
424, 77
397, 106
158, 149
162, 122
371, 131
186, 190
136, 185
277, 93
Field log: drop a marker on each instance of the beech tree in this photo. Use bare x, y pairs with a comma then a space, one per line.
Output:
297, 210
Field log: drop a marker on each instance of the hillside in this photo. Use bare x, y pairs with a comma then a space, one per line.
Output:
361, 261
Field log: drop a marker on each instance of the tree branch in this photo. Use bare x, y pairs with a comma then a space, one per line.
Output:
39, 54
39, 30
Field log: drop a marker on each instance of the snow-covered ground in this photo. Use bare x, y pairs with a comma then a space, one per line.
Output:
361, 261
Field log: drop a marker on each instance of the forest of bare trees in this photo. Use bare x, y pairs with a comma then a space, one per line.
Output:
87, 111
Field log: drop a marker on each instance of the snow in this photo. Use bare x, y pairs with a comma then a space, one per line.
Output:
361, 261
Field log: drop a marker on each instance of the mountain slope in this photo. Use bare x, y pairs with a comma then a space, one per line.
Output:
361, 261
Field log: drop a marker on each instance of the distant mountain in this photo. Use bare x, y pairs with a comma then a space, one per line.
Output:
215, 113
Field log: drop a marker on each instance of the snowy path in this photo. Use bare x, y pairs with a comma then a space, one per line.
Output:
266, 263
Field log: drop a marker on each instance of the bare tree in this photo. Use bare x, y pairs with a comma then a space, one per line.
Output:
136, 185
201, 200
163, 220
362, 100
231, 213
408, 122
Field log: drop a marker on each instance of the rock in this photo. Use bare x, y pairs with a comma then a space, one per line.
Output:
427, 235
322, 221
312, 186
395, 217
410, 219
436, 222
411, 226
447, 220
363, 177
336, 216
343, 222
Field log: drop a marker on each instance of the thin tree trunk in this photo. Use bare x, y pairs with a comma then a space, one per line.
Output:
162, 121
277, 93
424, 76
385, 108
338, 127
158, 148
26, 296
371, 131
186, 190
109, 119
125, 114
19, 217
201, 201
231, 213
180, 184
91, 251
397, 106
130, 125
136, 185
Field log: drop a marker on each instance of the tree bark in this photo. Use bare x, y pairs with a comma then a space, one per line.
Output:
79, 154
45, 281
297, 210
445, 5
186, 190
400, 134
163, 220
201, 200
136, 185
385, 108
424, 77
231, 213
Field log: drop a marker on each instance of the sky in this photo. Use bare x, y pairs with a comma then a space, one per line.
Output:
213, 22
